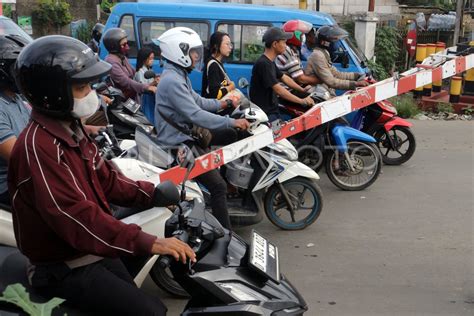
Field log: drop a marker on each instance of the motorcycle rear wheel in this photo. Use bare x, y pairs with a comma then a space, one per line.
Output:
399, 135
277, 210
367, 162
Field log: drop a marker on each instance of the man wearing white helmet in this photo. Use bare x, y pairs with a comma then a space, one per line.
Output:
179, 107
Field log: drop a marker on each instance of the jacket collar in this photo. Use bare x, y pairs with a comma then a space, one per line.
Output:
55, 128
177, 69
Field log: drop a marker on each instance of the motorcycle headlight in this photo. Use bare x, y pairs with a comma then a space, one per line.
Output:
241, 292
286, 148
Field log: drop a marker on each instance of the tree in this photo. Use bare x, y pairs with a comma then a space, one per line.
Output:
51, 15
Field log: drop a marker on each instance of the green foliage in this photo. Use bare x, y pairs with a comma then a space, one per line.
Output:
52, 14
405, 105
378, 71
349, 26
252, 52
16, 294
84, 32
468, 110
387, 49
444, 107
7, 10
107, 5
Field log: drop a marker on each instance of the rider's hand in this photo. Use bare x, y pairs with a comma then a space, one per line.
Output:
308, 101
151, 88
242, 124
106, 99
230, 86
174, 247
230, 102
307, 88
361, 76
156, 81
361, 83
92, 130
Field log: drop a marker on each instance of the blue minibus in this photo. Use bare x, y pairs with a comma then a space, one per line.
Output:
146, 21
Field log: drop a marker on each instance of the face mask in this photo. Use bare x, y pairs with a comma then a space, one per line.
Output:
124, 49
85, 107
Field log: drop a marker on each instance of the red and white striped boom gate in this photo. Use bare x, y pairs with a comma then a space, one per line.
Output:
444, 64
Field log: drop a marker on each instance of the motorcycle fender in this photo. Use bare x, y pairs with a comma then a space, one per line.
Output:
396, 121
342, 134
297, 169
141, 276
7, 235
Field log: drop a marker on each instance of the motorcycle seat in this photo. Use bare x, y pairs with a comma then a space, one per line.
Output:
6, 207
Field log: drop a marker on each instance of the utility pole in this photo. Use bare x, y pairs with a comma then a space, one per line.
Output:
345, 9
371, 5
459, 16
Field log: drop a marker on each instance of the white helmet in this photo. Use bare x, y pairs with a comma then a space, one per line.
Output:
177, 43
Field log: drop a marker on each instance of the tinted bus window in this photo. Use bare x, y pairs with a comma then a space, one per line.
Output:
127, 24
151, 30
247, 41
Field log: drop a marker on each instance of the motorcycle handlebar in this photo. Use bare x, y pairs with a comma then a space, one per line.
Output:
165, 261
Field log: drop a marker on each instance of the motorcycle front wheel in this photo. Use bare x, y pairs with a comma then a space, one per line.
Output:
305, 197
396, 145
366, 161
164, 279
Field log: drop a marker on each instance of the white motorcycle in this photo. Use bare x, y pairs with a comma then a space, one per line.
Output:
271, 180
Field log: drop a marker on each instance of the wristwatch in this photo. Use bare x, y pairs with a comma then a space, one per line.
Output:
229, 103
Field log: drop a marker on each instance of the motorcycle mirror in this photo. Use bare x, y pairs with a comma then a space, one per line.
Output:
149, 74
243, 83
166, 194
185, 158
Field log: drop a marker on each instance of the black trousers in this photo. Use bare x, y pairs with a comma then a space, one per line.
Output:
213, 180
101, 288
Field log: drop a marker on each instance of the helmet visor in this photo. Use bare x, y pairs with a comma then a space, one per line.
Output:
196, 54
93, 72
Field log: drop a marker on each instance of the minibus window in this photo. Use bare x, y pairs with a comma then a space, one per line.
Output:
247, 41
127, 24
151, 30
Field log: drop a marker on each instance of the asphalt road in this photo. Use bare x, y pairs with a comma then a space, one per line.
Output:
402, 247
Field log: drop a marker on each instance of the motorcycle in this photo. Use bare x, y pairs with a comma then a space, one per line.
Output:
351, 159
395, 139
230, 276
124, 114
271, 180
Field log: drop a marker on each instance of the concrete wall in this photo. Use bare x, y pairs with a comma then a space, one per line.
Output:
335, 6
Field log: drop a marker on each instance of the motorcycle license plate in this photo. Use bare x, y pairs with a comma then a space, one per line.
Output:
264, 257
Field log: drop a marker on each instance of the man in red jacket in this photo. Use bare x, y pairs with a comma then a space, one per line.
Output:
61, 188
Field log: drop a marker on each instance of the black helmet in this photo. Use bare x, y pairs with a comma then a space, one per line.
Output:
46, 69
10, 48
97, 31
330, 34
112, 39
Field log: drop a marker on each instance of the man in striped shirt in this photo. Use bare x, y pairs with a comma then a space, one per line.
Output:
289, 62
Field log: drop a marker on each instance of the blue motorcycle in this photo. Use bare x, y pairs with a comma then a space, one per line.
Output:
352, 160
